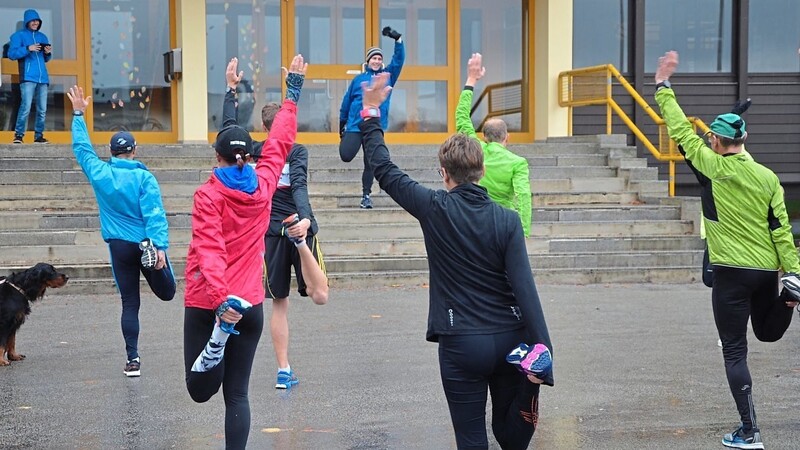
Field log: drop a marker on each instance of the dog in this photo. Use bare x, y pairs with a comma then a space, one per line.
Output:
17, 292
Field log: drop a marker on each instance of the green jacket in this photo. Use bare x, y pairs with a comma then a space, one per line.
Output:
746, 222
506, 179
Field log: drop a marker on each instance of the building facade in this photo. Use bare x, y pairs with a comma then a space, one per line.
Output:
730, 49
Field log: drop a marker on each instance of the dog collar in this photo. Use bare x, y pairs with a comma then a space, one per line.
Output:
5, 280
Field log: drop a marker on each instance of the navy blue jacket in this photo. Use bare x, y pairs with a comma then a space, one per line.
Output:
351, 103
480, 277
31, 64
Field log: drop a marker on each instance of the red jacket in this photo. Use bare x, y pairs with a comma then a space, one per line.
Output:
226, 254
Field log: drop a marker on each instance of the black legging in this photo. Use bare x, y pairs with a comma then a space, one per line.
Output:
470, 364
738, 295
233, 373
126, 265
348, 149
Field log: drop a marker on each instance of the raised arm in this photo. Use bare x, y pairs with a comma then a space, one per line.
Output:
398, 57
284, 127
409, 194
475, 72
230, 104
90, 163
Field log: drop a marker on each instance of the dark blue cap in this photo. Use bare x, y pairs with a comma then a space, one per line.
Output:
122, 142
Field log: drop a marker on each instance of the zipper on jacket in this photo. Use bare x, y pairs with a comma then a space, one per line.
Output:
38, 61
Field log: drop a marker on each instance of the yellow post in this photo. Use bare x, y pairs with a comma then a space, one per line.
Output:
193, 84
672, 178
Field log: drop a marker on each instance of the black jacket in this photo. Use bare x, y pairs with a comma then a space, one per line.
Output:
480, 276
291, 195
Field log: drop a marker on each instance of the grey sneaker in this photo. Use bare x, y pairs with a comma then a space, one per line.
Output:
791, 282
149, 254
740, 439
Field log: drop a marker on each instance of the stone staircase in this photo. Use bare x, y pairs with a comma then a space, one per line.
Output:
600, 214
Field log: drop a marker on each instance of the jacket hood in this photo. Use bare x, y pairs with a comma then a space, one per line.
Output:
246, 205
31, 14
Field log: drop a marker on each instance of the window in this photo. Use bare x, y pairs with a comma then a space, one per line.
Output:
600, 33
699, 30
774, 36
249, 30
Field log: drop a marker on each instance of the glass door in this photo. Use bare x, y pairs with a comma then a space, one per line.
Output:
65, 69
331, 36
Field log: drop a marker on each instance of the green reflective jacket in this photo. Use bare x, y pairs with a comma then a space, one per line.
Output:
746, 223
506, 179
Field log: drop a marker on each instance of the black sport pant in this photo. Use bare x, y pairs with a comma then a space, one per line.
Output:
738, 295
348, 149
126, 265
281, 255
472, 364
233, 373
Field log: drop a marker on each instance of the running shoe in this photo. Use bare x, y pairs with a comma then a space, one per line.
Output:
17, 139
288, 222
532, 360
740, 439
239, 305
133, 368
791, 282
41, 140
286, 379
149, 254
366, 202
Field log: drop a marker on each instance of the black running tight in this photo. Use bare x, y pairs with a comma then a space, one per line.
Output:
348, 149
738, 295
233, 373
471, 366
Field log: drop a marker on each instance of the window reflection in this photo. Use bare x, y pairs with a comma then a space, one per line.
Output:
128, 88
600, 33
700, 30
774, 36
330, 32
425, 21
495, 29
419, 107
250, 31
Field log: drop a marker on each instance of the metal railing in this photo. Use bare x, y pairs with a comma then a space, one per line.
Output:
592, 86
503, 98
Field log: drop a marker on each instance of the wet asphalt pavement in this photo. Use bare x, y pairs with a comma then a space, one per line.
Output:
636, 367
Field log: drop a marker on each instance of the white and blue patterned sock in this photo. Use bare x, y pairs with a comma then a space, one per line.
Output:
212, 354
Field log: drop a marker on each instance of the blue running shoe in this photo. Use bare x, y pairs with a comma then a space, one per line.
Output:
239, 305
740, 439
532, 360
286, 379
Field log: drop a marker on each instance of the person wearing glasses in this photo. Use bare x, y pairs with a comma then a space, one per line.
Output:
749, 240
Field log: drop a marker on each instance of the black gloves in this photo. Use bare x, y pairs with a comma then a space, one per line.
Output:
342, 126
741, 106
389, 32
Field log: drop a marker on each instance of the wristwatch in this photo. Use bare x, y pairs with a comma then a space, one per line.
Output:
368, 113
77, 113
230, 89
664, 84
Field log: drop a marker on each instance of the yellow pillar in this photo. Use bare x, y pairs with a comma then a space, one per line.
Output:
193, 83
552, 54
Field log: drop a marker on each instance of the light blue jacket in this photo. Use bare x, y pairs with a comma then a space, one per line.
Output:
31, 64
351, 103
128, 195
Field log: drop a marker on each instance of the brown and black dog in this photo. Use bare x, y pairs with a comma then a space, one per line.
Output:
17, 292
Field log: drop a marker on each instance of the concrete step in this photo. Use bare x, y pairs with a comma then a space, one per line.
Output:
692, 258
91, 236
615, 229
397, 278
583, 213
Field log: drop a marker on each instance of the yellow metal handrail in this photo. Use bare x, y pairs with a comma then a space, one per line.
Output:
592, 86
500, 93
